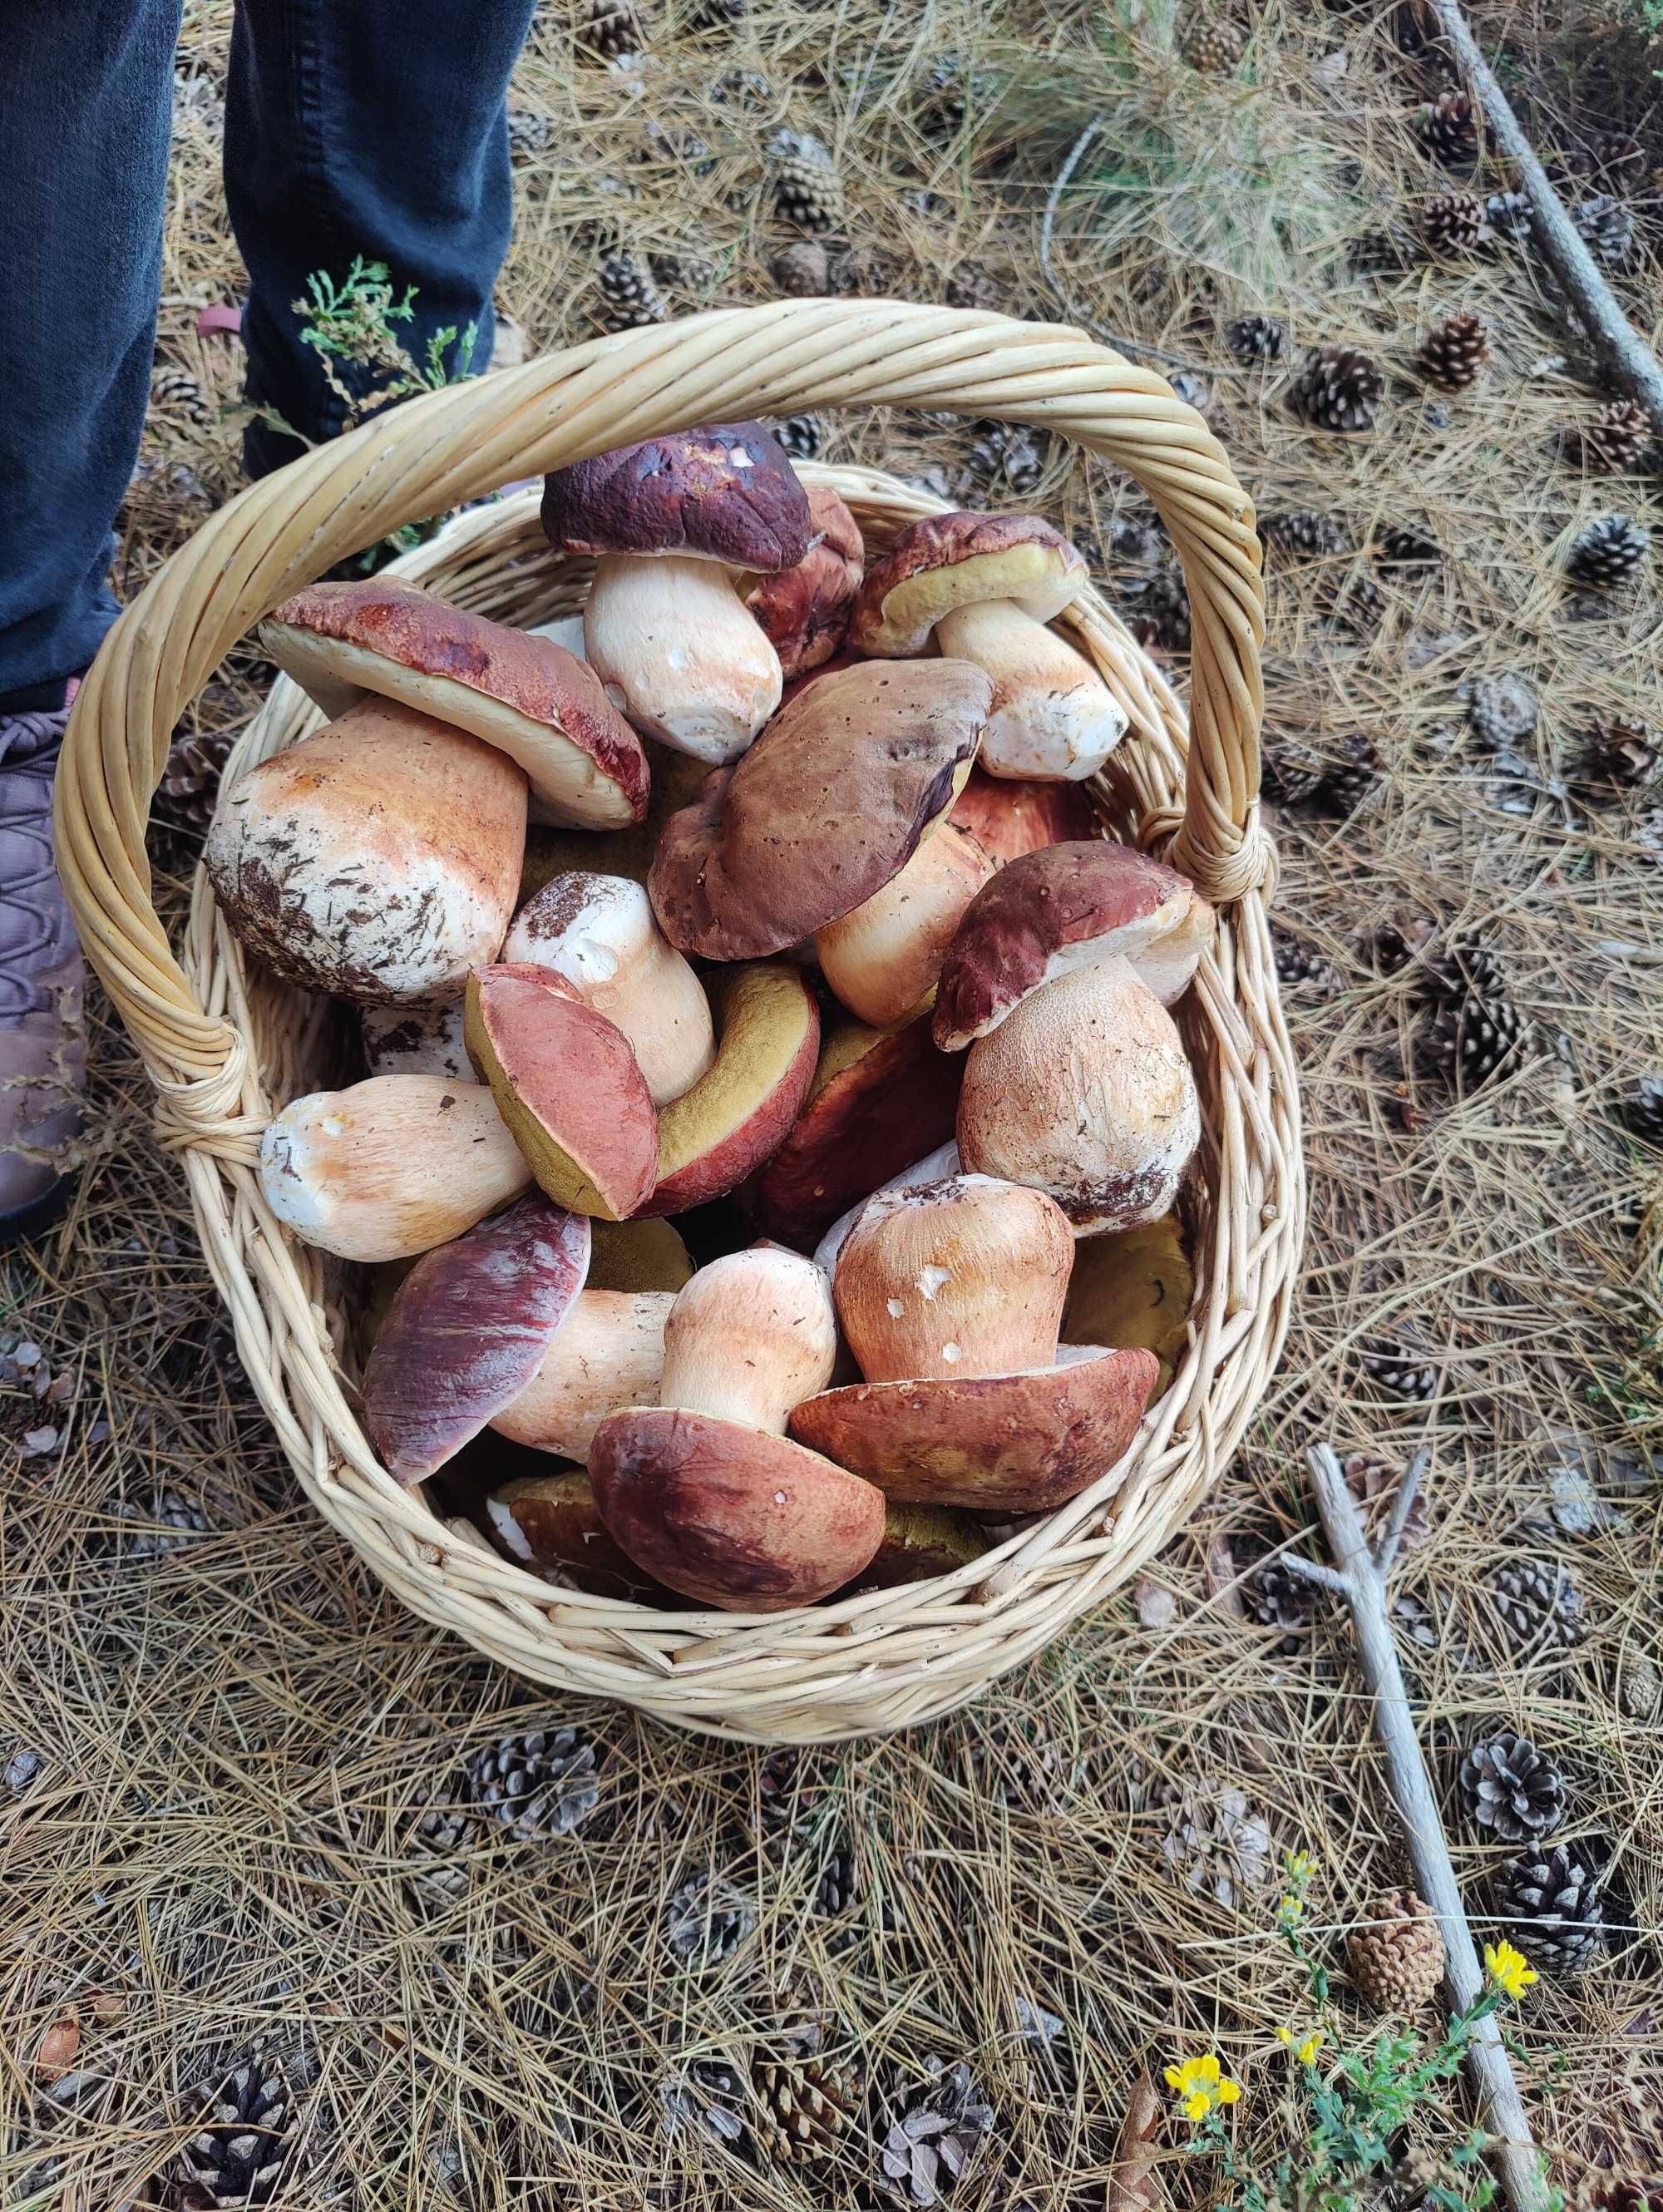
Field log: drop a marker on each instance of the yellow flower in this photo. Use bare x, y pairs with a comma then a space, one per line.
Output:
1301, 1866
1284, 2035
1309, 2048
1508, 1969
1199, 2084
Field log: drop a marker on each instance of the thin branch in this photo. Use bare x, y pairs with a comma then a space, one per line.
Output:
1402, 1506
1070, 307
1501, 2110
1312, 1570
1629, 360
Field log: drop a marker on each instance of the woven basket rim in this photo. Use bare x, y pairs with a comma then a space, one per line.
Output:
887, 1658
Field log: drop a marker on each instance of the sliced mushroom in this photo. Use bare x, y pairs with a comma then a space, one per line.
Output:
597, 934
515, 689
377, 860
389, 1167
705, 1492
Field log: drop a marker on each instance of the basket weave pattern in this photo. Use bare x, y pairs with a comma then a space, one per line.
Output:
225, 1046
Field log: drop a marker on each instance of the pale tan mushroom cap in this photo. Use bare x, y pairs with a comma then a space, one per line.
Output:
950, 561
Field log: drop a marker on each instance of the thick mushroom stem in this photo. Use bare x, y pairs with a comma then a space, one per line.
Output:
883, 958
607, 1354
967, 1276
750, 1337
1084, 1091
597, 934
391, 1167
1053, 715
679, 654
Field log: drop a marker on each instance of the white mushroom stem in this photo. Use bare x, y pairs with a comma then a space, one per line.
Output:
391, 1167
883, 959
680, 655
607, 1354
1053, 715
944, 1161
750, 1337
598, 933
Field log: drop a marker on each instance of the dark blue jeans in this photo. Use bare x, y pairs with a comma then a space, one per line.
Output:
371, 127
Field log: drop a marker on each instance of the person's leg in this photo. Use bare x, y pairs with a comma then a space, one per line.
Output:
86, 94
378, 130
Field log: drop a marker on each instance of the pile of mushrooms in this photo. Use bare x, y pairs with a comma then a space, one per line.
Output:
768, 1071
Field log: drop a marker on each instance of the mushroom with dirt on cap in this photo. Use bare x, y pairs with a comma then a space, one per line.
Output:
827, 807
985, 586
597, 934
516, 690
951, 1292
673, 522
1059, 981
705, 1491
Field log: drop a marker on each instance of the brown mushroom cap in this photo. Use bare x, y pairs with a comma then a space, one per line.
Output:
949, 561
725, 492
1009, 816
830, 803
467, 1329
714, 1135
805, 610
1062, 908
732, 1516
524, 695
568, 1087
1016, 1444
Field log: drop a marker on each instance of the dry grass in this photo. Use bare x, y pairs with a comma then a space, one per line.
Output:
235, 1730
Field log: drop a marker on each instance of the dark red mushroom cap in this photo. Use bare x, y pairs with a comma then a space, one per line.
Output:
726, 493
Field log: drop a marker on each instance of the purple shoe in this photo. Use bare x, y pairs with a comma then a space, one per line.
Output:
43, 1046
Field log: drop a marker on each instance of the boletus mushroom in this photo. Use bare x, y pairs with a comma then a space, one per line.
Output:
1009, 816
378, 860
705, 1491
989, 1416
1135, 1287
921, 1542
552, 1524
674, 522
519, 691
568, 1086
1077, 1081
389, 1167
467, 1330
597, 934
884, 957
827, 807
607, 1354
415, 1041
985, 586
805, 610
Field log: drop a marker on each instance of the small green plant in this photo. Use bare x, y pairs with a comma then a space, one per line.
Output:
352, 326
1350, 2110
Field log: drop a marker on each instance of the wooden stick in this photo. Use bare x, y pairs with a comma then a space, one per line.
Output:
1361, 1574
1629, 360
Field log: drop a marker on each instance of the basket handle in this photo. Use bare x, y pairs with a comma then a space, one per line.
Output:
458, 444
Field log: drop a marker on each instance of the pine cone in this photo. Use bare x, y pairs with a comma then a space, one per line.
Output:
1550, 1902
1216, 1843
539, 1782
1454, 222
176, 395
1400, 945
1397, 1956
1639, 1683
807, 190
1256, 337
1292, 776
529, 132
190, 787
744, 88
1617, 441
1468, 1040
1501, 711
1509, 218
706, 2094
934, 2143
1372, 1481
438, 1838
1156, 610
1007, 457
237, 2157
1010, 1760
1381, 252
166, 1523
1348, 781
1540, 1606
611, 28
716, 15
630, 295
1217, 48
1401, 545
811, 2104
1510, 1790
1400, 1372
1617, 755
1454, 353
706, 1921
1608, 552
802, 436
803, 271
1298, 965
971, 285
1273, 1596
837, 1885
1306, 532
1605, 225
954, 92
1449, 130
1338, 389
1642, 1111
1616, 161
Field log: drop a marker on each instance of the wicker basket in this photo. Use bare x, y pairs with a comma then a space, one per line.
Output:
224, 1044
